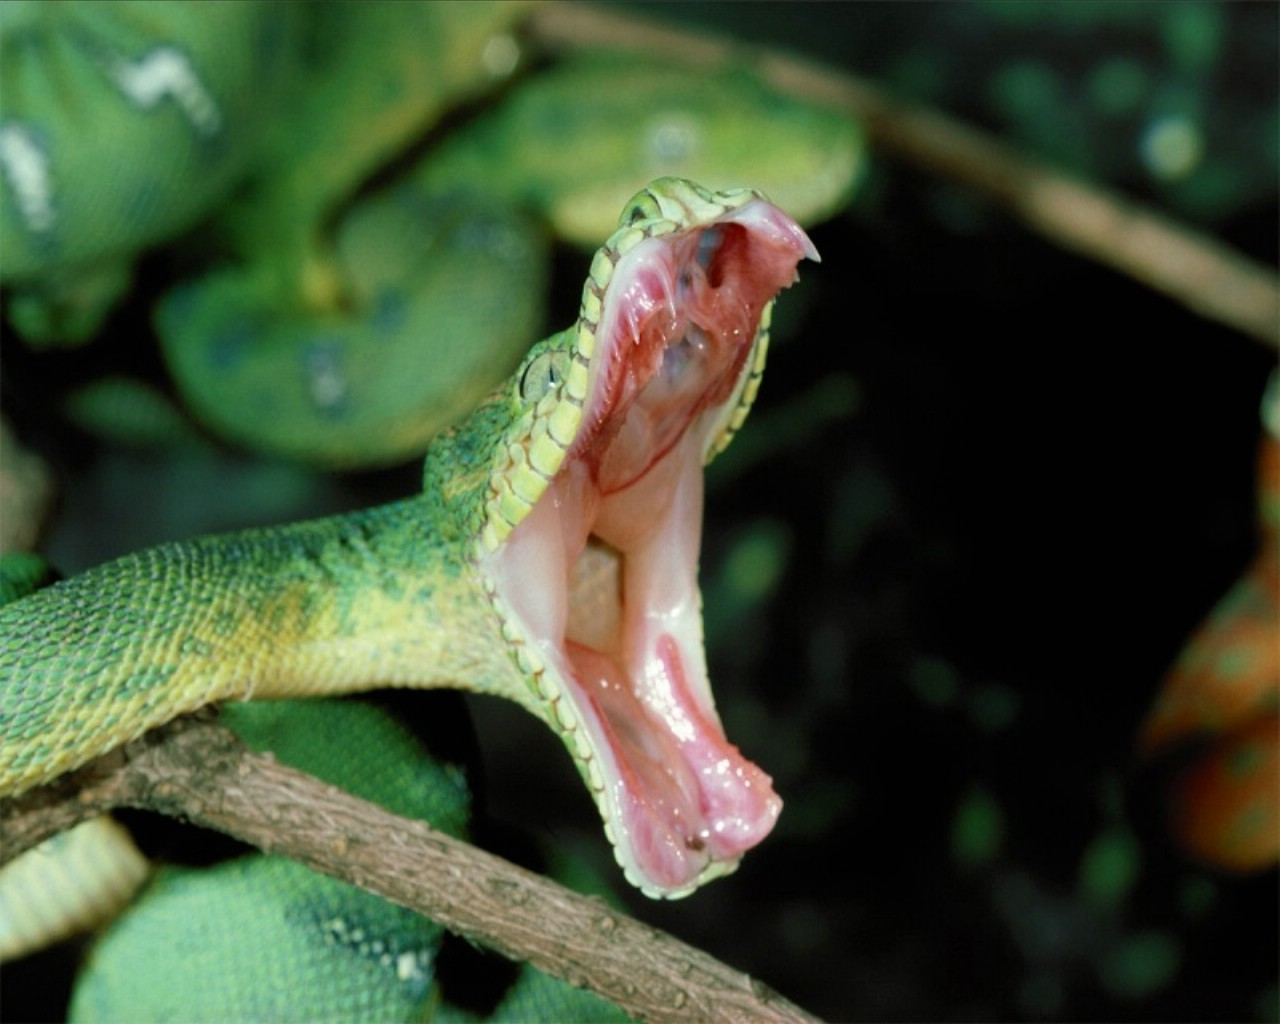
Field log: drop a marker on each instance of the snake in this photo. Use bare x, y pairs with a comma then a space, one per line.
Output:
173, 99
260, 937
550, 559
334, 194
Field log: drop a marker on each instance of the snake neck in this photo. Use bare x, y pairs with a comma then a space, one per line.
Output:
376, 598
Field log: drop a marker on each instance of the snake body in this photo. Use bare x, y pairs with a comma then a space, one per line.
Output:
326, 227
121, 124
572, 140
348, 603
308, 337
428, 279
260, 937
88, 87
584, 466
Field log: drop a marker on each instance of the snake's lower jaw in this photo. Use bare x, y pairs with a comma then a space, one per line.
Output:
616, 657
627, 684
686, 804
681, 803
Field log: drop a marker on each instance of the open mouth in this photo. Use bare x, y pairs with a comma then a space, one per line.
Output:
677, 340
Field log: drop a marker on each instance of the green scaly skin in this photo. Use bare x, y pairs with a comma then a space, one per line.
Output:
348, 603
306, 346
88, 86
85, 86
261, 937
307, 341
339, 382
427, 592
572, 140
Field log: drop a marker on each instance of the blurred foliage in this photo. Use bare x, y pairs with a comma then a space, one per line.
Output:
1174, 100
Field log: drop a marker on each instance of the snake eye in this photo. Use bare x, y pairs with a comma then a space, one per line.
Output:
544, 374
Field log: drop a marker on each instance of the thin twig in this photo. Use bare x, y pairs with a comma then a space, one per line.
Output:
1190, 267
197, 770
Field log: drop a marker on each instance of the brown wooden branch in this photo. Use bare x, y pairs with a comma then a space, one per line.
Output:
1190, 267
197, 770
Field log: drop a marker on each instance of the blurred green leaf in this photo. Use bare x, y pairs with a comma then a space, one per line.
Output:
1197, 896
1109, 867
863, 500
746, 577
1117, 86
977, 828
934, 681
993, 707
1141, 964
1193, 35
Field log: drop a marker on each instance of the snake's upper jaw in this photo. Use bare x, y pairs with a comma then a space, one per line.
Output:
615, 653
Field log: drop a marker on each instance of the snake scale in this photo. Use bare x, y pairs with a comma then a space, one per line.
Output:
551, 559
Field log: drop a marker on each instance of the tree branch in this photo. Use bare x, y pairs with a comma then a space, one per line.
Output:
197, 770
1192, 268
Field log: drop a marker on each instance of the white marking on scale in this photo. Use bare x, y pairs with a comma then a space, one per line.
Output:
166, 73
25, 165
409, 967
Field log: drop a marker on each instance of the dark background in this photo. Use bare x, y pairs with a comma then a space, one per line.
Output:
988, 490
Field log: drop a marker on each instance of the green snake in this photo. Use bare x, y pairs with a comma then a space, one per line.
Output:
551, 558
260, 937
336, 194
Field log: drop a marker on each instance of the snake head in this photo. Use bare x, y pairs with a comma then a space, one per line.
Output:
589, 541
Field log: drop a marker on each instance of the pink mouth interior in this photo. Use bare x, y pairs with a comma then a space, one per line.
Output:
621, 523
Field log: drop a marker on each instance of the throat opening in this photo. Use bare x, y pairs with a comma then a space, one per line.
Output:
595, 616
